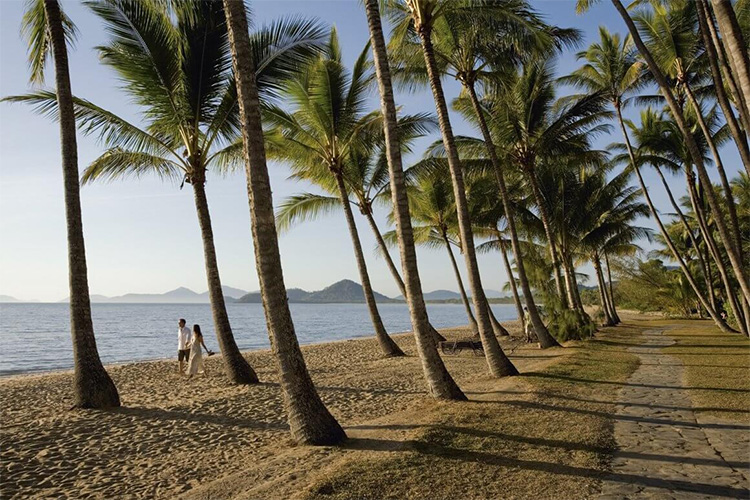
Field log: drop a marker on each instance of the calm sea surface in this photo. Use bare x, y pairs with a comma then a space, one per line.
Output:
36, 337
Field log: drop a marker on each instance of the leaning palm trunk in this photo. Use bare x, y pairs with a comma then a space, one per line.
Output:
461, 289
387, 345
741, 105
611, 289
498, 362
708, 237
726, 238
667, 239
499, 329
610, 321
730, 203
701, 261
545, 339
237, 368
310, 422
439, 381
740, 138
736, 46
392, 266
552, 246
92, 385
512, 283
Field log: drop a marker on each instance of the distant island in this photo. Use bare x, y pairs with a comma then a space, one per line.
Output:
180, 295
350, 292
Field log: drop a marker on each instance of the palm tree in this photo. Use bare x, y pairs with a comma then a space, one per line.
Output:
736, 45
438, 379
671, 35
715, 56
188, 99
310, 421
678, 115
613, 70
322, 146
48, 29
468, 50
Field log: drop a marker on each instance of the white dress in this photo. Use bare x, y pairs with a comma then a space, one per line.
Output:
195, 365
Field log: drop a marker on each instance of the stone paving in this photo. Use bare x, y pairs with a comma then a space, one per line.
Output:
665, 452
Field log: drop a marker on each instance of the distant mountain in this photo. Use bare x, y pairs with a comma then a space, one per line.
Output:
341, 292
444, 295
180, 295
8, 298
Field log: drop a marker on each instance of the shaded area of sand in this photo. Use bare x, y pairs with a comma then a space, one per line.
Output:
173, 435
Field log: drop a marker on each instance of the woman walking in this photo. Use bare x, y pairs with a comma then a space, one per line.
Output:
195, 365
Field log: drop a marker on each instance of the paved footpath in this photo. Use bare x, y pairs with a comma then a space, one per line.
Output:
664, 451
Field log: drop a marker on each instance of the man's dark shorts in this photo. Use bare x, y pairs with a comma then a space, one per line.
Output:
183, 354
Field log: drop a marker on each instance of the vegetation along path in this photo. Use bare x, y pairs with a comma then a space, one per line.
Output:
666, 449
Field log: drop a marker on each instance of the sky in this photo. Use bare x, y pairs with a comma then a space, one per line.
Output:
142, 234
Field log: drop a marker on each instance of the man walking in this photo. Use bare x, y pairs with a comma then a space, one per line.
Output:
183, 341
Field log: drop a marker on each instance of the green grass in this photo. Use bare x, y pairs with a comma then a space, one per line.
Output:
547, 434
717, 368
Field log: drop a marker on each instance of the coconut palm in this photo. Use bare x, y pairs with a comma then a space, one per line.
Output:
188, 100
439, 381
416, 19
737, 45
533, 128
310, 422
470, 50
326, 138
49, 30
671, 34
612, 68
678, 115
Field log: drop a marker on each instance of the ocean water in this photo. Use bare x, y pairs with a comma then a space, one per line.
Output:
36, 337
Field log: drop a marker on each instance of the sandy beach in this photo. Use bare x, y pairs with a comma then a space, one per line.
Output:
173, 437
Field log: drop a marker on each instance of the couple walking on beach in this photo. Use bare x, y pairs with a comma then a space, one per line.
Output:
189, 349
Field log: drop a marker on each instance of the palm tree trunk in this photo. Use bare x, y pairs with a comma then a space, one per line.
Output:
693, 239
709, 275
741, 105
237, 368
441, 384
392, 266
708, 238
730, 203
497, 328
387, 345
512, 282
667, 239
498, 362
461, 289
310, 422
610, 321
695, 153
740, 138
736, 46
544, 215
92, 385
611, 289
571, 286
545, 339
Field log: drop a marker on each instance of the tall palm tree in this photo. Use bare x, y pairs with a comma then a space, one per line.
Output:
310, 421
678, 115
418, 17
187, 95
737, 46
469, 50
327, 134
671, 34
438, 379
612, 69
48, 29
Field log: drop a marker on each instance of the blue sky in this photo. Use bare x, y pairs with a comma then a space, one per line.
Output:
142, 235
